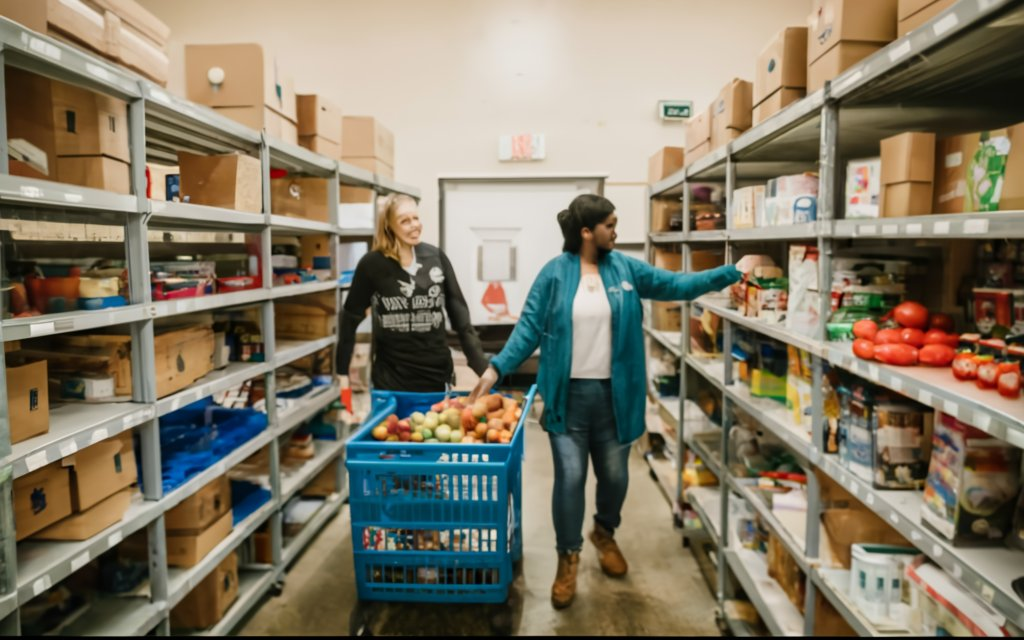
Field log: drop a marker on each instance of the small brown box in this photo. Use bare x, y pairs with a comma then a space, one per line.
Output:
905, 199
261, 117
86, 524
41, 498
251, 78
99, 471
698, 132
319, 117
365, 137
919, 18
837, 60
908, 157
782, 64
187, 549
88, 123
693, 155
205, 605
664, 163
731, 110
832, 22
197, 512
78, 22
230, 181
28, 400
323, 146
95, 172
300, 198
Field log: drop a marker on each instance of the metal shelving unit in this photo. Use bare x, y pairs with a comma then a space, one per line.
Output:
908, 85
161, 124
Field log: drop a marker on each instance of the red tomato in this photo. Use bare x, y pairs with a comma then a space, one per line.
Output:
942, 321
964, 366
865, 329
888, 336
864, 349
913, 337
936, 355
902, 355
911, 314
938, 336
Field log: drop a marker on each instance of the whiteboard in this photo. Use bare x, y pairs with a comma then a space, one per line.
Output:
499, 233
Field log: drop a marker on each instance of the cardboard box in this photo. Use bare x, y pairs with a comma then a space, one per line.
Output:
182, 356
952, 156
704, 260
88, 123
908, 157
929, 10
666, 215
907, 8
782, 64
28, 400
230, 181
304, 322
695, 154
775, 103
839, 21
365, 137
664, 163
731, 112
324, 484
99, 471
158, 174
906, 199
261, 117
95, 172
323, 146
698, 132
838, 59
300, 198
133, 48
202, 509
318, 117
314, 249
957, 157
374, 165
88, 523
666, 316
41, 498
30, 118
78, 22
187, 549
205, 605
666, 259
357, 195
252, 78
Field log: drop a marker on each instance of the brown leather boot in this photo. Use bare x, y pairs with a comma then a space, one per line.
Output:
564, 588
612, 561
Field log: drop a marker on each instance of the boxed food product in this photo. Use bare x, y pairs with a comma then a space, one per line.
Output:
791, 199
876, 581
230, 181
747, 207
205, 605
664, 163
940, 606
41, 498
782, 64
980, 171
863, 188
798, 386
28, 398
973, 481
803, 306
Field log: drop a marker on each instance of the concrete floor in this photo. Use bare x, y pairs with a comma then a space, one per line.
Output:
663, 594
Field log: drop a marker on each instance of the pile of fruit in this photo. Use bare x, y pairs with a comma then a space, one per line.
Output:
908, 336
491, 419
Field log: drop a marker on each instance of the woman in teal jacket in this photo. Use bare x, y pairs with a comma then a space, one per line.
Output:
584, 313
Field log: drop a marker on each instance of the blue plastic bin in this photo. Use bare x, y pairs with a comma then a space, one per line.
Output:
436, 522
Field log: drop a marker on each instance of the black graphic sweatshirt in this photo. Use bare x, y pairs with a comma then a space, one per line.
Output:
409, 337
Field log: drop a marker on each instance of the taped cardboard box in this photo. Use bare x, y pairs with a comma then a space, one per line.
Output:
323, 146
698, 133
365, 137
318, 116
205, 605
230, 181
315, 251
92, 521
927, 11
135, 48
251, 78
664, 163
202, 509
188, 549
95, 172
28, 398
908, 157
832, 22
837, 60
666, 215
41, 498
87, 123
775, 103
782, 64
731, 112
99, 471
300, 198
79, 22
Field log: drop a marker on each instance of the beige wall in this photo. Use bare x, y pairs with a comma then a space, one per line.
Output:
450, 76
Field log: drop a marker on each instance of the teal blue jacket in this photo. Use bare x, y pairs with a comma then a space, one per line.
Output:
546, 322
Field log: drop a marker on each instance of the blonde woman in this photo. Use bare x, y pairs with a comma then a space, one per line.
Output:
410, 286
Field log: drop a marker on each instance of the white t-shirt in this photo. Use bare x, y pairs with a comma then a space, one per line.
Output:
591, 330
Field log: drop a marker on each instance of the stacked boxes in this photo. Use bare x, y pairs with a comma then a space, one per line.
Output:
28, 398
664, 163
731, 112
781, 75
245, 84
319, 125
199, 523
908, 169
300, 197
698, 136
367, 144
205, 605
841, 33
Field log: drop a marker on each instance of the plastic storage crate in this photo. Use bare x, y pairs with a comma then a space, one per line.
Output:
435, 522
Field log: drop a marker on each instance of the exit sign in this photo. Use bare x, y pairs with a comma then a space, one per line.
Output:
675, 109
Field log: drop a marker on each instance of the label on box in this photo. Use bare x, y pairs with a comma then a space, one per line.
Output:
954, 159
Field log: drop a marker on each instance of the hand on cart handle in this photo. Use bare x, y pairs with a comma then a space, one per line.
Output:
483, 387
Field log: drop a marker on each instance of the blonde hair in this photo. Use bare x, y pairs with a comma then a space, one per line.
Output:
384, 239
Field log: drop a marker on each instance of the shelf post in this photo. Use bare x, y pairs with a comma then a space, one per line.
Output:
4, 164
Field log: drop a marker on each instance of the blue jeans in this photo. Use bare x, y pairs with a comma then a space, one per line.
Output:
590, 431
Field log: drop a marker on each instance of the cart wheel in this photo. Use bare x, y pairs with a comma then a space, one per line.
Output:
277, 588
358, 621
